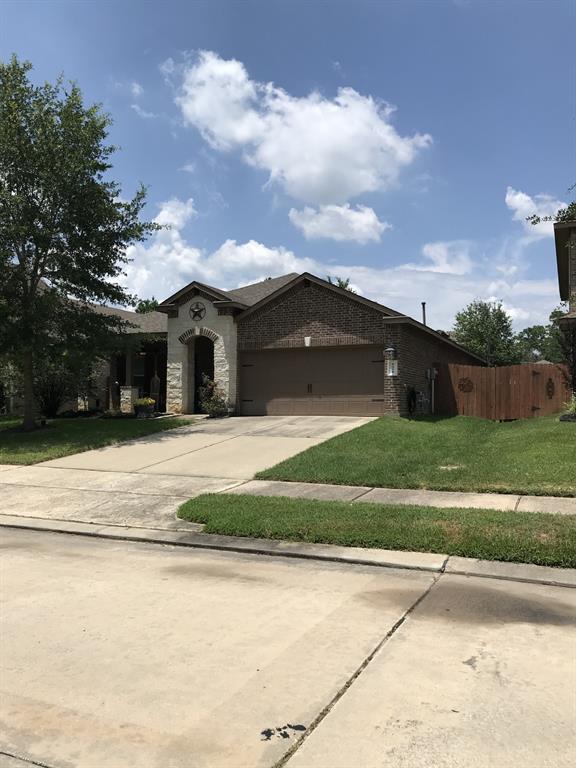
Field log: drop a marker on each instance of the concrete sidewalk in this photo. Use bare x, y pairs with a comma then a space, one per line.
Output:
556, 505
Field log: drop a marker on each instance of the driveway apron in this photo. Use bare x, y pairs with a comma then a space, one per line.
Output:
142, 483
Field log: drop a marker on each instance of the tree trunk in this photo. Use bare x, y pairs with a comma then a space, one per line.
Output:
29, 421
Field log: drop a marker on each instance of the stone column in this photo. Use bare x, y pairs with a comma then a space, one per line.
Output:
127, 397
226, 362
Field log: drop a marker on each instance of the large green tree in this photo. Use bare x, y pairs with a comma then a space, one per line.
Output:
64, 228
484, 327
542, 342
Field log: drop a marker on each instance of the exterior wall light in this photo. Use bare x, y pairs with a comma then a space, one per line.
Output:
391, 358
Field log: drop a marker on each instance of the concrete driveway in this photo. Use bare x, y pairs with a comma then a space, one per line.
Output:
144, 481
147, 656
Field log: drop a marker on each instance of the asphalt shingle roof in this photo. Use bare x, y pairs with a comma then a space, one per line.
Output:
149, 322
251, 294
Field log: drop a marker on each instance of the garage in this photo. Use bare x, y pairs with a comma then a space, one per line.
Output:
312, 381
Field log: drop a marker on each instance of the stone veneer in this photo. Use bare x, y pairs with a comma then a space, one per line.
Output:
180, 369
128, 395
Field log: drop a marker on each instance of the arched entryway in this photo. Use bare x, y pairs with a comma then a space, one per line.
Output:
203, 362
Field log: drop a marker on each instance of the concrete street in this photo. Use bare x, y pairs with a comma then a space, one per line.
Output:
123, 654
143, 482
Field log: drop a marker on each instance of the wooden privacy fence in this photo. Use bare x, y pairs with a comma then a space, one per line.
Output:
501, 394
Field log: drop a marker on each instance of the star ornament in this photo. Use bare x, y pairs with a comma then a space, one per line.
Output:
197, 311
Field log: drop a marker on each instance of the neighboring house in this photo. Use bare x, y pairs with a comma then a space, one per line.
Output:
297, 344
565, 241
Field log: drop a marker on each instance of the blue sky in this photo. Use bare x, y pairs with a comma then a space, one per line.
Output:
401, 144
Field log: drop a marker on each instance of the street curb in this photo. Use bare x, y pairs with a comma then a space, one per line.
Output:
379, 558
414, 561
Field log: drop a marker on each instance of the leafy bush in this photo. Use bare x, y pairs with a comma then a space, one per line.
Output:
570, 406
145, 401
212, 399
116, 414
60, 379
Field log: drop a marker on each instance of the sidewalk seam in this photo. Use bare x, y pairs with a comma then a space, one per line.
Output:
28, 760
360, 495
355, 675
186, 453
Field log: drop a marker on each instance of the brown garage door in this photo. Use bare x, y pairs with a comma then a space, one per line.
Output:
342, 380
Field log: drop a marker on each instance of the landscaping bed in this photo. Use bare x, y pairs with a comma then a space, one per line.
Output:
523, 537
531, 456
62, 437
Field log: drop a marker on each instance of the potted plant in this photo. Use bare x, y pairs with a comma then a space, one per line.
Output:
144, 407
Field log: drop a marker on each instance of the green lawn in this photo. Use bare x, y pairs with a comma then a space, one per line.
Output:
514, 536
532, 456
61, 437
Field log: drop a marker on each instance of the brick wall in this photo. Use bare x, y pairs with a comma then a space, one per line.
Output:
418, 351
330, 319
310, 310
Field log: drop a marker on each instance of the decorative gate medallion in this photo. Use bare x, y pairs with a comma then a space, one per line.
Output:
197, 311
550, 389
465, 384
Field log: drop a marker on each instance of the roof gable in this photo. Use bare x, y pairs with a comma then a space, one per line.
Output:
181, 296
242, 297
307, 276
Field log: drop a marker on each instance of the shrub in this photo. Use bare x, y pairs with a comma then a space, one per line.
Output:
212, 399
570, 406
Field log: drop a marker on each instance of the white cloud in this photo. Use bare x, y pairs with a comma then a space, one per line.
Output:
403, 288
233, 263
218, 98
167, 262
318, 150
142, 112
447, 283
176, 213
518, 314
451, 257
523, 205
339, 222
136, 90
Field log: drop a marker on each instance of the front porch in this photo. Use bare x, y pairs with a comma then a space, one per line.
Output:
137, 373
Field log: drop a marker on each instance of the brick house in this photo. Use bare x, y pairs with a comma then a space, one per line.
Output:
297, 344
565, 242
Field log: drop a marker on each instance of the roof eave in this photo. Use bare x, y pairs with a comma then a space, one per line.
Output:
178, 297
406, 320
